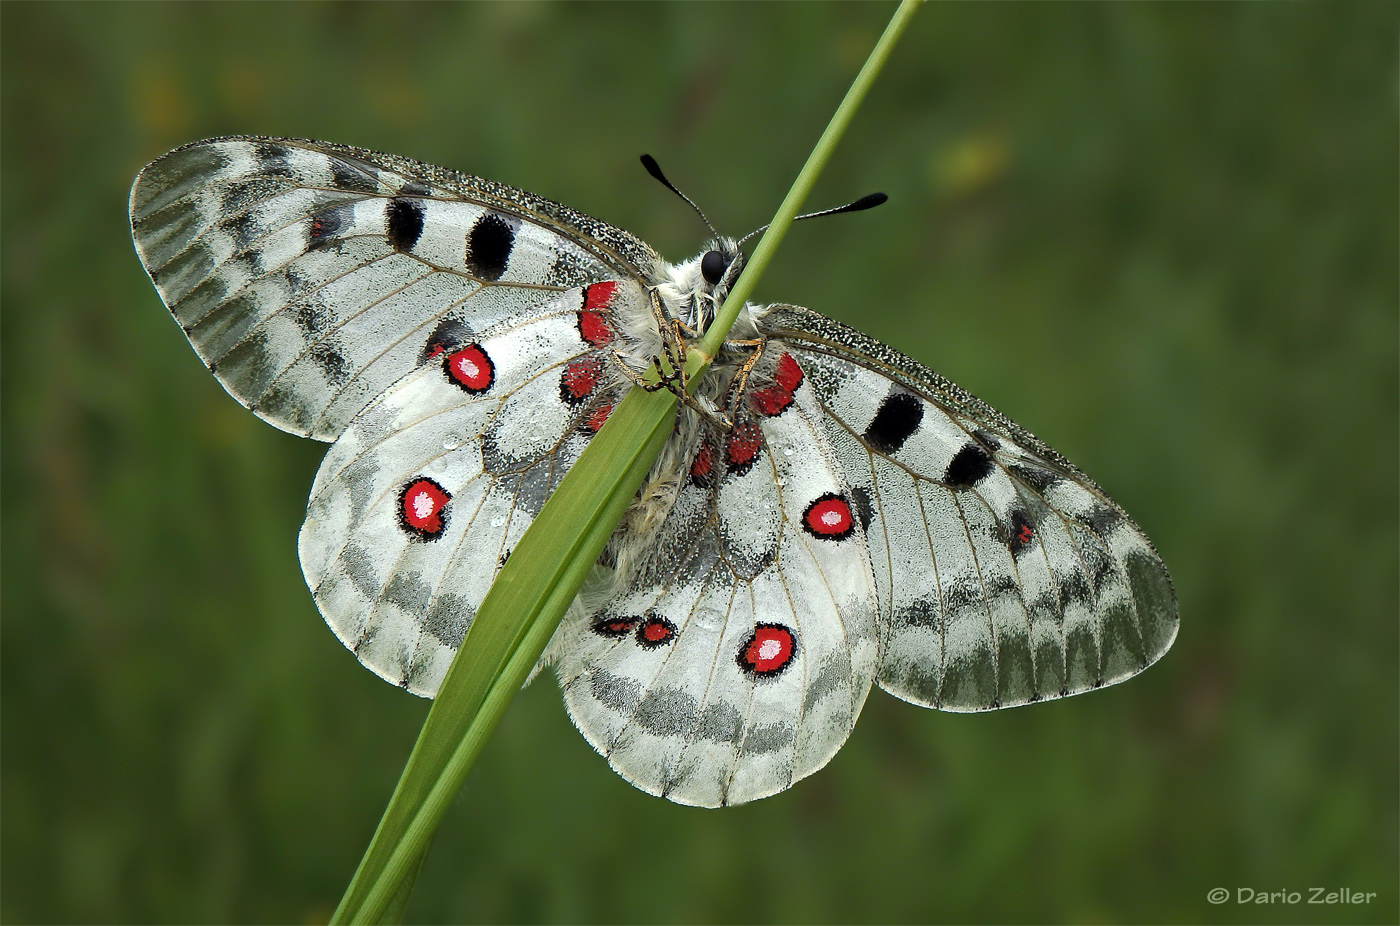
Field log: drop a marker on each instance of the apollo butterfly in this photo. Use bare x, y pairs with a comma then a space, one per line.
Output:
847, 518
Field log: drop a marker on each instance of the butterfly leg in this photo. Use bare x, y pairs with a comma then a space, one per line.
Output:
740, 380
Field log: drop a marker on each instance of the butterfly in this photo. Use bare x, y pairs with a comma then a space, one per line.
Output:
827, 514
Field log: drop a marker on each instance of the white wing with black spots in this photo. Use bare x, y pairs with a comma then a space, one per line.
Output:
736, 658
308, 275
1005, 575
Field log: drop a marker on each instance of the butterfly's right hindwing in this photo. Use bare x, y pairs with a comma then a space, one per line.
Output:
307, 276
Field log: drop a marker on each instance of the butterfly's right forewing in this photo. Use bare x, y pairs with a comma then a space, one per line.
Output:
1005, 575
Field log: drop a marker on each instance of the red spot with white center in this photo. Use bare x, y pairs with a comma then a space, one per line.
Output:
745, 442
829, 517
580, 378
598, 417
470, 368
655, 631
593, 325
776, 398
768, 651
703, 465
423, 508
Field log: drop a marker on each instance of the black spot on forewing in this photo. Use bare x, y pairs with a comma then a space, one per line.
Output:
331, 362
969, 466
1022, 531
326, 226
314, 318
353, 177
1103, 520
403, 223
570, 269
272, 159
488, 247
242, 195
899, 417
1034, 476
450, 335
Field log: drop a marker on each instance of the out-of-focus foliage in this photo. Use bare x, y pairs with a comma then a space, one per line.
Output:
1161, 236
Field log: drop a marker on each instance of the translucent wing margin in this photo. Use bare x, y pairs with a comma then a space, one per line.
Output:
306, 274
1005, 575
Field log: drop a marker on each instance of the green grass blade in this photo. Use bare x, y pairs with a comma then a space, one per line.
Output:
544, 572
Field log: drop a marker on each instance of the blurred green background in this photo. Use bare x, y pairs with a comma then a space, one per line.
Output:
1163, 237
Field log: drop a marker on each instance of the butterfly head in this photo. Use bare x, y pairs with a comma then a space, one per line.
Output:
705, 280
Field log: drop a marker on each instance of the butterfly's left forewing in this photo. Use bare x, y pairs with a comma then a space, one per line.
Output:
308, 275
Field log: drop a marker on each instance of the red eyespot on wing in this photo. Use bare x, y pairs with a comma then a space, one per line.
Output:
470, 368
775, 399
770, 400
580, 378
768, 651
599, 295
614, 627
593, 325
703, 465
598, 417
423, 508
1022, 531
594, 328
743, 446
788, 375
655, 631
829, 517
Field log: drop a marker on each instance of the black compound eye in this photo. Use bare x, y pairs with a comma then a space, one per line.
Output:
712, 267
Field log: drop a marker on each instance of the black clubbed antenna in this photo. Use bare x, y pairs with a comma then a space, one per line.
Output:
654, 169
869, 201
